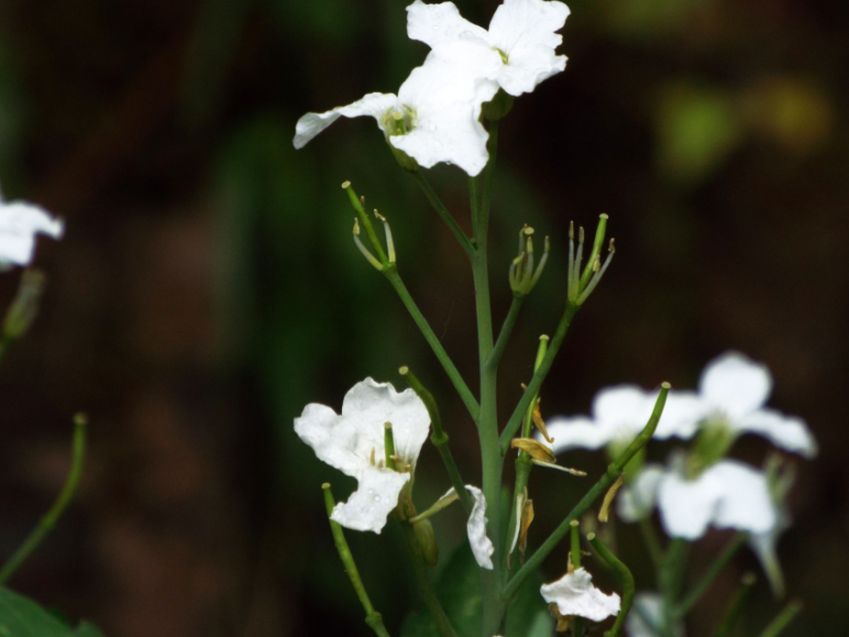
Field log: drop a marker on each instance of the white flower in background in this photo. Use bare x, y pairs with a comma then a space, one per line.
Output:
728, 494
734, 390
433, 119
518, 50
646, 617
19, 223
575, 595
620, 413
353, 442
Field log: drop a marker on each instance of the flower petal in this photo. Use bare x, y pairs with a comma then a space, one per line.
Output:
439, 24
745, 503
524, 30
369, 404
375, 498
735, 385
574, 594
19, 223
681, 415
687, 506
786, 432
637, 499
578, 432
482, 547
372, 104
447, 100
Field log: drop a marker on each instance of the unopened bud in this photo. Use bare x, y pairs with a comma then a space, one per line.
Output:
24, 308
426, 540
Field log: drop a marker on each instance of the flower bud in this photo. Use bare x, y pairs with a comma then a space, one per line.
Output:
24, 308
426, 540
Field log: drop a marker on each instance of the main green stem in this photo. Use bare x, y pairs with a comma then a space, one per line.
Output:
48, 521
491, 455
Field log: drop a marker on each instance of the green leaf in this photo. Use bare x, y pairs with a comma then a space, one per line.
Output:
22, 617
458, 588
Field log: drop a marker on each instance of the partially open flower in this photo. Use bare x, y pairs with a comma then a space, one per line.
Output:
517, 51
353, 442
19, 223
574, 595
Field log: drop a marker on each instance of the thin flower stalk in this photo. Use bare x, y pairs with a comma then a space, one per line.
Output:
625, 580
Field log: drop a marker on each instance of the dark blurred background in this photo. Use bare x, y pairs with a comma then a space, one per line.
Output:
207, 287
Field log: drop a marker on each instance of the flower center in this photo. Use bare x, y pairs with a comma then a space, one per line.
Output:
399, 121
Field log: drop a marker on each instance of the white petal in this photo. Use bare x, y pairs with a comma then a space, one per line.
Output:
439, 24
19, 223
369, 405
525, 31
447, 100
375, 498
745, 503
637, 499
786, 432
372, 104
482, 546
579, 432
681, 415
574, 594
687, 506
735, 385
623, 410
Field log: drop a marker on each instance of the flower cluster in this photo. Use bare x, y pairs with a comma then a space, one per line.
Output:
699, 488
435, 117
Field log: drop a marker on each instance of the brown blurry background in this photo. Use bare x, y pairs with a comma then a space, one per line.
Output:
207, 287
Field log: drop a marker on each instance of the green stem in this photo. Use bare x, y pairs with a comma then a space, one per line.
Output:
443, 624
652, 542
442, 356
670, 578
444, 213
625, 579
725, 627
491, 454
49, 519
539, 376
438, 437
777, 625
710, 575
578, 624
373, 618
614, 470
506, 331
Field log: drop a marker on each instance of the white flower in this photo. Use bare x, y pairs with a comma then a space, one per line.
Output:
518, 50
728, 494
647, 616
734, 390
433, 119
574, 594
620, 413
19, 223
353, 442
